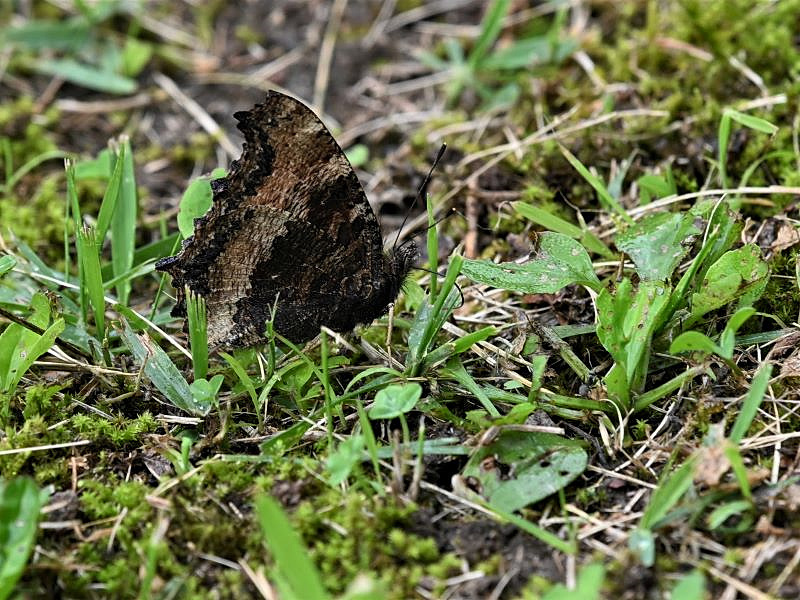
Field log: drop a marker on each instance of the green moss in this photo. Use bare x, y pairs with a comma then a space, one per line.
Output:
118, 431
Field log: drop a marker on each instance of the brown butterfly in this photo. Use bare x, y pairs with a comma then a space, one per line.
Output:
290, 228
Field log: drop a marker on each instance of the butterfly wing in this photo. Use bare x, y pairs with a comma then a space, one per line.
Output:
290, 226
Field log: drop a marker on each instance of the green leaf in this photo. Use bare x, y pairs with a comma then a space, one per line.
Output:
6, 264
292, 560
162, 372
198, 332
87, 76
123, 223
690, 587
71, 34
589, 585
529, 52
656, 244
20, 503
560, 261
525, 467
194, 204
740, 273
395, 400
135, 56
491, 26
752, 122
347, 455
94, 168
20, 347
204, 391
725, 511
655, 186
555, 223
626, 322
358, 155
430, 318
727, 339
607, 201
755, 395
90, 279
111, 195
694, 341
670, 490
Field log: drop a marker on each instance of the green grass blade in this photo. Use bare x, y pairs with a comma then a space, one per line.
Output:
111, 197
555, 223
491, 26
87, 76
758, 388
162, 372
669, 491
198, 332
123, 223
20, 503
608, 202
292, 561
91, 282
457, 371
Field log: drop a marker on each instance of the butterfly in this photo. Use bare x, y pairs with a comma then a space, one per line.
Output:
290, 237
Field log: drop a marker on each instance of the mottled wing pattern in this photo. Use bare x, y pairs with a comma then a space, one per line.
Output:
290, 226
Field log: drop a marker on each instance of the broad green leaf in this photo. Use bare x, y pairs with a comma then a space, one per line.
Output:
357, 155
589, 585
162, 372
395, 400
524, 467
656, 243
204, 391
347, 455
691, 586
560, 261
194, 204
94, 168
694, 341
135, 56
20, 503
626, 322
738, 274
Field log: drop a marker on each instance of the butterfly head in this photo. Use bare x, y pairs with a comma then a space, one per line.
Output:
401, 260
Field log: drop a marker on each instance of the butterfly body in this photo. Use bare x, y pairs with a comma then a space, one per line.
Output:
290, 229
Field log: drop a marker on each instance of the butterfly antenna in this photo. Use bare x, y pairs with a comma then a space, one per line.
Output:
421, 192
